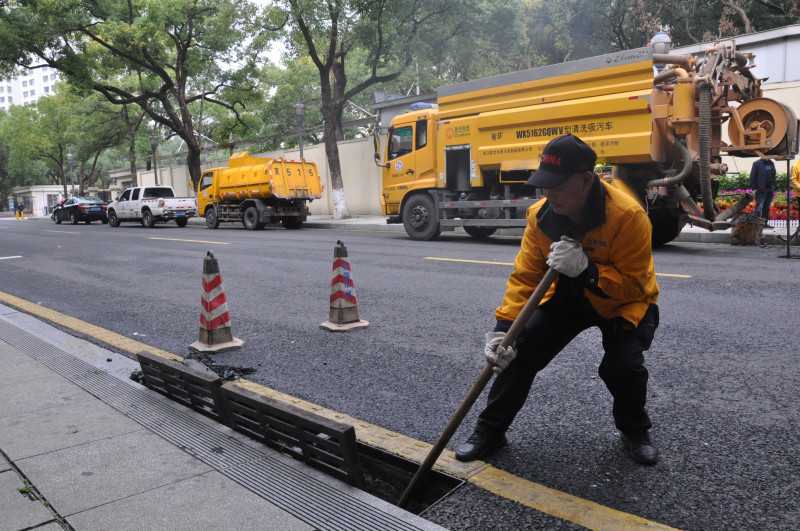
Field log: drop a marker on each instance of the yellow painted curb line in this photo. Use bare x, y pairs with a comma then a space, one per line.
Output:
106, 336
561, 505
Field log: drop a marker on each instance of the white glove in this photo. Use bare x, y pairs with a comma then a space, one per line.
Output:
567, 257
498, 356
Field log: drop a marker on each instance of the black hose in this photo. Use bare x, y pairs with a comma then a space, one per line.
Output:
705, 149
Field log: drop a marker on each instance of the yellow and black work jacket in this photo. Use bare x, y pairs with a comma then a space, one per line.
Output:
620, 280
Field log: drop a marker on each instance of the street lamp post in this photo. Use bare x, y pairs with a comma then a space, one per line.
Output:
71, 158
154, 145
300, 112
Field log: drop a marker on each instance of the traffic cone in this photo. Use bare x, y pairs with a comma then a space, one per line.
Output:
344, 307
215, 321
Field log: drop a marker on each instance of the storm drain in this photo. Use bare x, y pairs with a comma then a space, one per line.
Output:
307, 498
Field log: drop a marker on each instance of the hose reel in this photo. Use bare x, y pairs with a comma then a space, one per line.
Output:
762, 126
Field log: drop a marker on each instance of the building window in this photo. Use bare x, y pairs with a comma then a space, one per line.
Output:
33, 93
25, 83
25, 94
52, 76
2, 99
44, 78
10, 99
32, 82
46, 90
45, 69
30, 71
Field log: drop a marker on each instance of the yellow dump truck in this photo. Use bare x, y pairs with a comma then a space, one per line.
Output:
257, 191
654, 119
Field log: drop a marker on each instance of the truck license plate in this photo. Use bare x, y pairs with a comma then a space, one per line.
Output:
180, 213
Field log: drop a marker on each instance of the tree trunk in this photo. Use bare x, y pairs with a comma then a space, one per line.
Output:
132, 159
335, 168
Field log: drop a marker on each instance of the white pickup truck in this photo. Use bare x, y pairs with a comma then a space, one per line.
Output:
151, 204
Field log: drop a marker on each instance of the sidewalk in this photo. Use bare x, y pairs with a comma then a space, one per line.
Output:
83, 447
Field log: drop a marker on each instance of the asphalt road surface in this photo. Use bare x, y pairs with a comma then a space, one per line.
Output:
724, 367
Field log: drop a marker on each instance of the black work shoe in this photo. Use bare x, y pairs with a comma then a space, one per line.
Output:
479, 445
640, 447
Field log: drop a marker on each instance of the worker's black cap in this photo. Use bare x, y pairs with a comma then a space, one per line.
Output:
562, 157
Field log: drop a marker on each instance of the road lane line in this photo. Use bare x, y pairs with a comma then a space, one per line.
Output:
559, 504
191, 241
467, 261
61, 231
9, 257
512, 263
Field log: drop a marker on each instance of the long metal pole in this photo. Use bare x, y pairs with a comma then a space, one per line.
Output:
516, 329
300, 134
788, 208
155, 167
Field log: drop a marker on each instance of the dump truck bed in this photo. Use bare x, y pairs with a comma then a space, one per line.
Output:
261, 178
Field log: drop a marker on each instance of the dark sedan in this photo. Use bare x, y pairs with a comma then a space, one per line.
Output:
77, 209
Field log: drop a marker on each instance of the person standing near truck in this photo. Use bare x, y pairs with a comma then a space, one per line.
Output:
762, 180
598, 239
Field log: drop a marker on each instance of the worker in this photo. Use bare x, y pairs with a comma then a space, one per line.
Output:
795, 183
762, 180
598, 239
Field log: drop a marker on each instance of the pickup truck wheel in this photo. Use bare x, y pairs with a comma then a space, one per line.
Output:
212, 221
291, 223
181, 221
250, 219
147, 219
420, 218
479, 233
73, 217
113, 220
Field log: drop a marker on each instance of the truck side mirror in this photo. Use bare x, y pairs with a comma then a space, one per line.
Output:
377, 143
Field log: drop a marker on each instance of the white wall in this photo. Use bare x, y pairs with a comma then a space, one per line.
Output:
361, 178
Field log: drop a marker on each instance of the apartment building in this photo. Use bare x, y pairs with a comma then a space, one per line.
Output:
32, 84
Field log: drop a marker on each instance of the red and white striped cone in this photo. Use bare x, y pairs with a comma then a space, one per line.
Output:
215, 321
344, 307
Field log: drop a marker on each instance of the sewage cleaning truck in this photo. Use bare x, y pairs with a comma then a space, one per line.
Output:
655, 121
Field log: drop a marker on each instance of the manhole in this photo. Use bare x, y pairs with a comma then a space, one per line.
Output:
386, 476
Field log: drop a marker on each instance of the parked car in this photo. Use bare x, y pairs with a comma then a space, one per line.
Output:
77, 209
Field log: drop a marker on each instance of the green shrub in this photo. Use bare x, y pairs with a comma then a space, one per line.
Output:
741, 181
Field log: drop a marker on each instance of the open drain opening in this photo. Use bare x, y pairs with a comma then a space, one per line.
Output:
317, 441
386, 476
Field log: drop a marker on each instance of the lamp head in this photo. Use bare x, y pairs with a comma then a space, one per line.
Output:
70, 158
153, 142
300, 110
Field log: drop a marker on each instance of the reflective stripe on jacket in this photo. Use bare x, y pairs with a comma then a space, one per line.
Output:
618, 244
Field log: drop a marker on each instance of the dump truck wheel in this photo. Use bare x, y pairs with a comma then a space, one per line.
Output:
420, 219
212, 221
479, 233
291, 223
250, 218
666, 224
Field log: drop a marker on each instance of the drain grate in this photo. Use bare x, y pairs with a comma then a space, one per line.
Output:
305, 497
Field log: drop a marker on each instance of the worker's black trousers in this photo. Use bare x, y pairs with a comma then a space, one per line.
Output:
550, 329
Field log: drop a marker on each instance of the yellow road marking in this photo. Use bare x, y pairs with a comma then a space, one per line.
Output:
191, 241
106, 336
512, 263
468, 261
559, 504
61, 231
